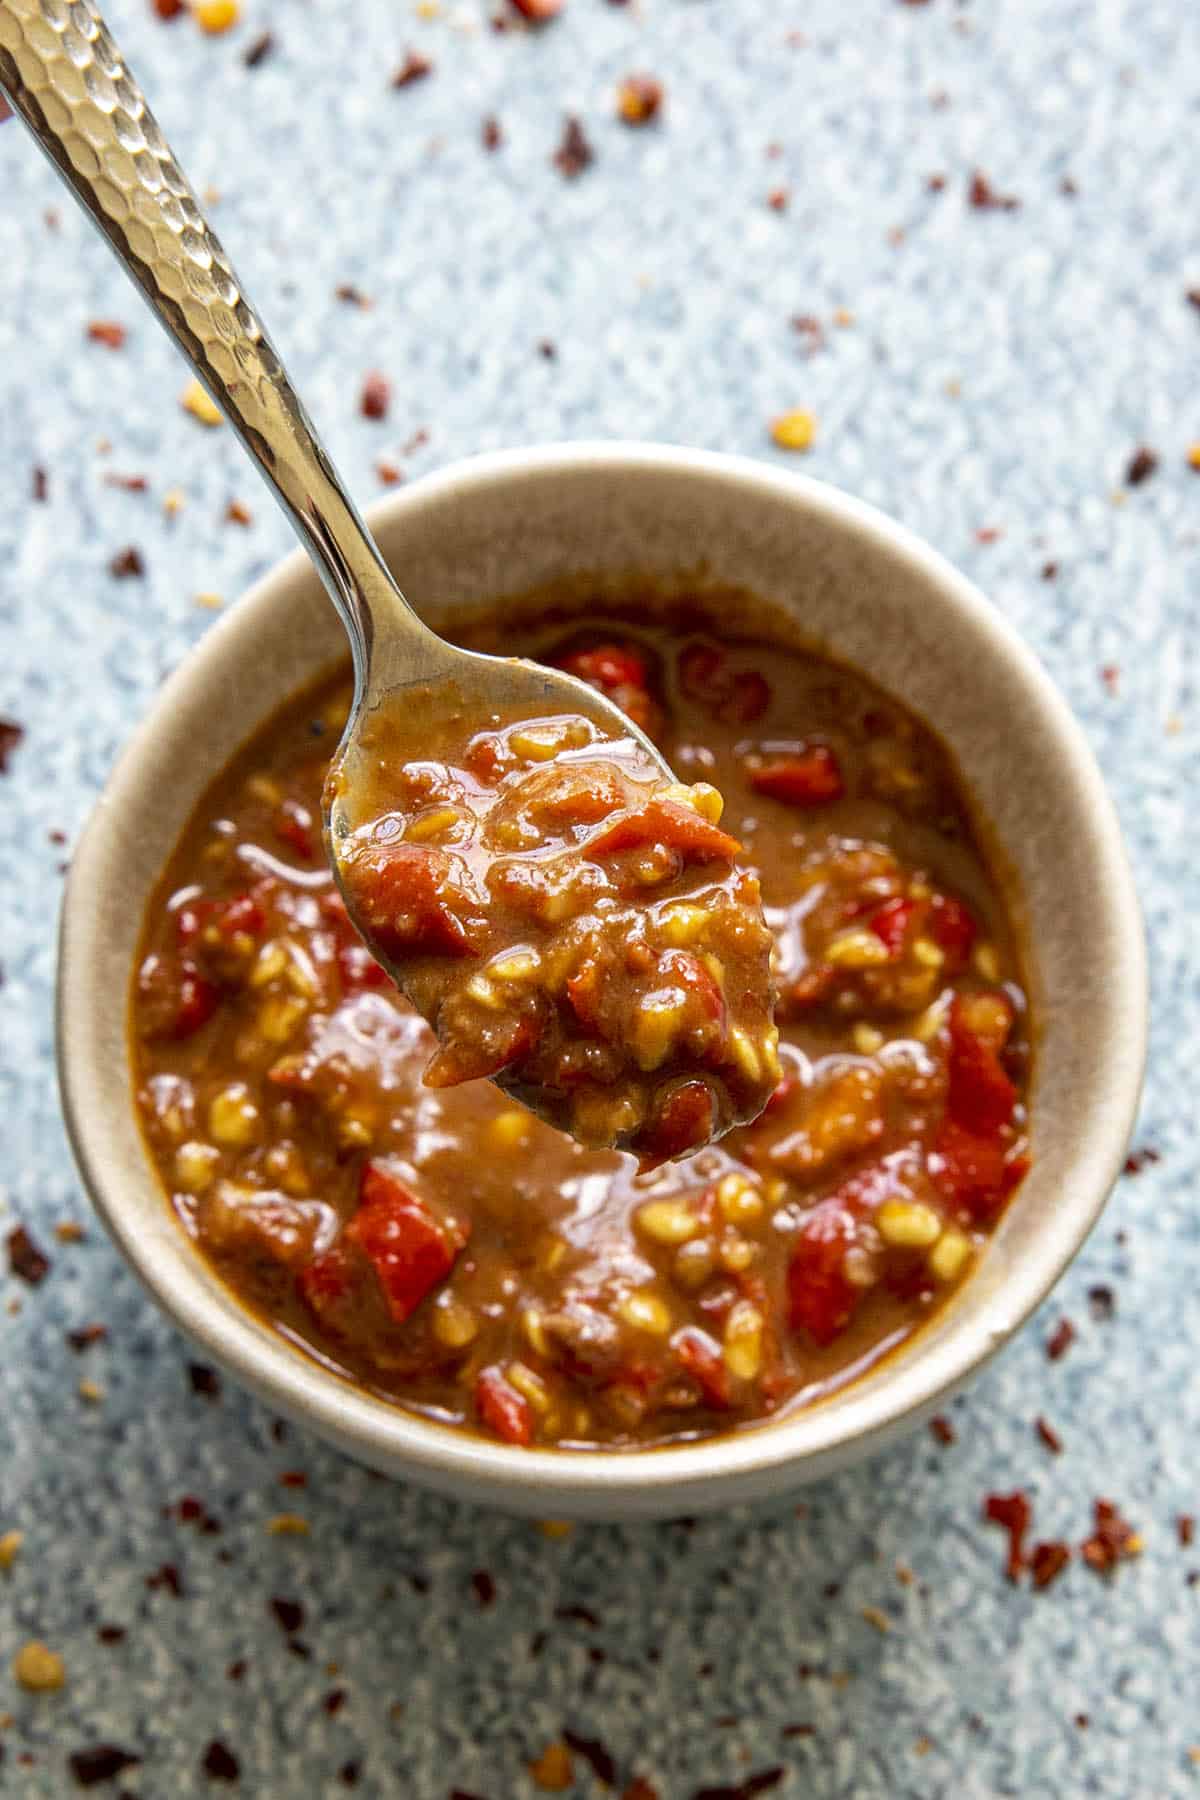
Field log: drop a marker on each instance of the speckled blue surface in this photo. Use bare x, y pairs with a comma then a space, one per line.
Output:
1000, 369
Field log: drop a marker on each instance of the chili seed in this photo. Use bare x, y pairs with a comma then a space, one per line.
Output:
195, 400
908, 1225
949, 1255
39, 1670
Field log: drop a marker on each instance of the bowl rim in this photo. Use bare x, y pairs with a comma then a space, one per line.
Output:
806, 1443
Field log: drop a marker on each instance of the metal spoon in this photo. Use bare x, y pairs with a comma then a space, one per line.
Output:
70, 85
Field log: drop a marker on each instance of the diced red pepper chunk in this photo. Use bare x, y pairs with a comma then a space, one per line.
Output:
501, 1408
701, 669
475, 1059
981, 1097
811, 776
954, 930
688, 972
198, 1001
746, 699
891, 922
667, 822
608, 666
242, 913
700, 1355
359, 968
293, 826
976, 1173
683, 1121
821, 1300
409, 1248
327, 1284
400, 891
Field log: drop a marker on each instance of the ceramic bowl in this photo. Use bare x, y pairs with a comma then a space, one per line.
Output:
591, 517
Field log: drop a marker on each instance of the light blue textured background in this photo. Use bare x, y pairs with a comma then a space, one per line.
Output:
1000, 370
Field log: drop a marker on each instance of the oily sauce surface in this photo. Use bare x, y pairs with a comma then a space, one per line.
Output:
443, 1247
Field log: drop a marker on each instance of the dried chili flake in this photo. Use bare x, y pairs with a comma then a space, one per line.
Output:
576, 1614
779, 199
547, 349
1102, 1303
935, 184
484, 1584
1082, 1720
258, 51
1185, 1530
1012, 1512
808, 326
490, 134
574, 153
538, 12
1049, 571
984, 197
988, 534
293, 1478
236, 1670
129, 484
100, 1762
639, 99
219, 1763
127, 563
111, 1634
596, 1754
351, 295
415, 67
1060, 1340
1141, 1159
41, 484
204, 1381
1112, 1541
1048, 1435
84, 1336
25, 1260
288, 1613
108, 332
376, 396
334, 1701
166, 1576
390, 473
640, 1789
762, 1783
553, 1770
1142, 465
942, 1430
238, 513
349, 1773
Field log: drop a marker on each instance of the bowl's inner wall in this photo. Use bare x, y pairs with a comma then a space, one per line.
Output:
874, 601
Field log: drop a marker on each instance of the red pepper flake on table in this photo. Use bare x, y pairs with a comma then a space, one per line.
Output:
98, 1763
352, 296
538, 12
25, 1260
204, 1381
983, 197
491, 135
1060, 1340
1047, 1562
574, 153
1048, 1435
1142, 464
415, 67
942, 1431
219, 1763
127, 564
107, 332
376, 396
1112, 1541
40, 484
11, 735
1013, 1513
258, 51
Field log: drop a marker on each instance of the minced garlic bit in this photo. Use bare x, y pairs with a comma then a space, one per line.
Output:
552, 1770
39, 1670
288, 1525
10, 1548
195, 400
794, 430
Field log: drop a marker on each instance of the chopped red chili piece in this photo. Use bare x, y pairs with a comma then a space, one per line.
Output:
501, 1408
892, 921
975, 1173
294, 827
101, 1762
984, 198
666, 822
821, 1300
683, 1120
491, 133
608, 666
1060, 1340
127, 563
410, 1250
981, 1097
942, 1430
1013, 1513
402, 893
953, 929
811, 776
1047, 1562
1185, 1526
204, 1381
700, 1355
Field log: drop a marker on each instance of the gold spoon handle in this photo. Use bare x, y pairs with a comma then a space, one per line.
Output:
70, 85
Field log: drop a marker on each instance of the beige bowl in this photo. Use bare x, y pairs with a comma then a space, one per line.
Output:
876, 597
